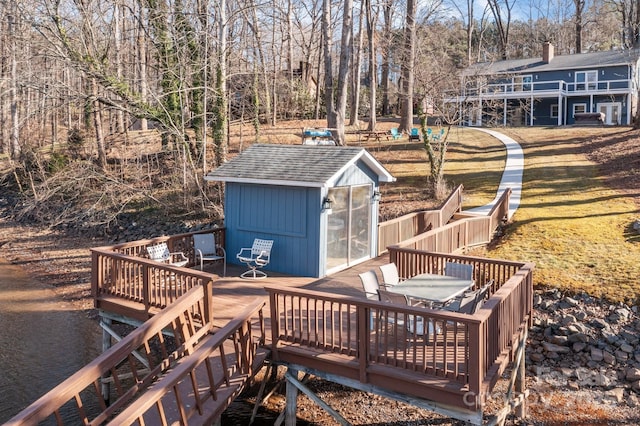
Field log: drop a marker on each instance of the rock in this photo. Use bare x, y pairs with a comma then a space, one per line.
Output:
579, 346
632, 374
615, 394
597, 355
599, 323
571, 301
608, 358
579, 337
536, 357
621, 355
558, 340
625, 347
552, 348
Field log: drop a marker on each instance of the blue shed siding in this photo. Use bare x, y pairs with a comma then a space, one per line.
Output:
289, 216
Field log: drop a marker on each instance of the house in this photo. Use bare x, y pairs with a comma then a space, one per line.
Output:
551, 90
319, 204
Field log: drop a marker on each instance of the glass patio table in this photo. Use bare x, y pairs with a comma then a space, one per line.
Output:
432, 287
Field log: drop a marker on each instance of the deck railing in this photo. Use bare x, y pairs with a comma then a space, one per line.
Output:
151, 286
178, 242
80, 400
219, 369
124, 272
454, 361
467, 231
408, 226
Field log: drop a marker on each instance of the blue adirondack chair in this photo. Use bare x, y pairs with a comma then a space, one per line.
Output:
395, 134
415, 134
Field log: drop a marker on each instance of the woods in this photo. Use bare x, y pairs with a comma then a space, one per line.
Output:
79, 77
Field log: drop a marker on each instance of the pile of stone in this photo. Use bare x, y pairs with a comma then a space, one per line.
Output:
581, 342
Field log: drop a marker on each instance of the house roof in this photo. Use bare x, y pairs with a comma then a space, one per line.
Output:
561, 62
295, 165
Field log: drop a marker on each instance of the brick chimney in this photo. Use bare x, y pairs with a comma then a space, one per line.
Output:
547, 52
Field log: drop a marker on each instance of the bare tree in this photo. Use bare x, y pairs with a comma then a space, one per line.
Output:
372, 19
336, 109
408, 63
501, 10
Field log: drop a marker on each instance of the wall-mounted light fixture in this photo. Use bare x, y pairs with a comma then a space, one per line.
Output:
376, 196
327, 203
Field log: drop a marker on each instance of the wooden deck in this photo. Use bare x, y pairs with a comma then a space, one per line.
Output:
325, 327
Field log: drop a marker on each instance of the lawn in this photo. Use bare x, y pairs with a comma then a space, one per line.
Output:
571, 223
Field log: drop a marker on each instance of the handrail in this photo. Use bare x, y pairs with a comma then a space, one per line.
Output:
241, 360
407, 226
456, 362
468, 230
154, 284
177, 242
188, 320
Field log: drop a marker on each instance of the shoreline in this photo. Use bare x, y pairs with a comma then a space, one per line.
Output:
58, 261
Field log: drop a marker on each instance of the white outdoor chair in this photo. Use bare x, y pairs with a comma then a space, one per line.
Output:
206, 250
160, 253
258, 256
370, 284
459, 270
389, 274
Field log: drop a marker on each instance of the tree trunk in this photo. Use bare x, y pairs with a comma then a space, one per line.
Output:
371, 27
355, 79
386, 53
406, 119
14, 137
97, 125
327, 38
346, 48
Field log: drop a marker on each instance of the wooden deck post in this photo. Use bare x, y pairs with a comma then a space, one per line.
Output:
106, 344
291, 395
521, 384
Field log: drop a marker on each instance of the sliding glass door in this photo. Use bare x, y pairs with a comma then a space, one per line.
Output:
349, 226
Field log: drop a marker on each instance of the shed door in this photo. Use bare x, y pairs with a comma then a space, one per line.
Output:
349, 226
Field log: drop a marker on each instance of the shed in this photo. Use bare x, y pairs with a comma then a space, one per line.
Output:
319, 205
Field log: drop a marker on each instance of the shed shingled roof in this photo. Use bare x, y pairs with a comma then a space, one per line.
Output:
294, 165
561, 62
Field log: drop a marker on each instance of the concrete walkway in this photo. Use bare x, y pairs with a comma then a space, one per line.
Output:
511, 178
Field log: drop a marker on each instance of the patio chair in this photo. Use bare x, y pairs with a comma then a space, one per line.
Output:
160, 253
415, 134
395, 134
415, 324
389, 274
255, 257
206, 250
458, 270
370, 284
470, 301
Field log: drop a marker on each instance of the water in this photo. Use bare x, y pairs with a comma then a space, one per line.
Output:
43, 340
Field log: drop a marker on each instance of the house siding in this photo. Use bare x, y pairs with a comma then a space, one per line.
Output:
287, 215
615, 86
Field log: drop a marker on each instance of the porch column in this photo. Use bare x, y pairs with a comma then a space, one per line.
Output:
560, 110
504, 113
531, 113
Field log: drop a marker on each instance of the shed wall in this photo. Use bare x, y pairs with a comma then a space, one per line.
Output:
287, 215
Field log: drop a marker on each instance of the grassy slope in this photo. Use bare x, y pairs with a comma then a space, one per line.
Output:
571, 223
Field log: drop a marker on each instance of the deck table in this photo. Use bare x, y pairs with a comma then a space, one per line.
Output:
432, 287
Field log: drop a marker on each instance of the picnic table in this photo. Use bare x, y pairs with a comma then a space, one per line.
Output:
375, 134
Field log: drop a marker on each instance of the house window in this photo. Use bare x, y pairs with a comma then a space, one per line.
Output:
522, 83
554, 111
586, 80
579, 108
